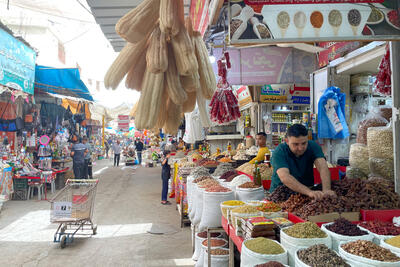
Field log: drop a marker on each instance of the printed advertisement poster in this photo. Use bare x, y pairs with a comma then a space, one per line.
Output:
62, 209
285, 93
17, 63
272, 21
243, 95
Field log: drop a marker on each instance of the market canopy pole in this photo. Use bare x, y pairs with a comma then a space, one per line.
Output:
102, 138
395, 66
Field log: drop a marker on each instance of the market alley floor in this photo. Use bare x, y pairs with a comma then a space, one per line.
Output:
127, 206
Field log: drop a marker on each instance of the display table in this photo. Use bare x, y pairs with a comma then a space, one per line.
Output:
60, 177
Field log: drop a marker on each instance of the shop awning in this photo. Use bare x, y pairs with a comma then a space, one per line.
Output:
61, 81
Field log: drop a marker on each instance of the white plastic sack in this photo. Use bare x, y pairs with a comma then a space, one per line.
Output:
189, 190
211, 215
355, 260
250, 258
200, 261
245, 194
292, 244
337, 238
192, 212
300, 263
197, 246
393, 249
217, 260
199, 206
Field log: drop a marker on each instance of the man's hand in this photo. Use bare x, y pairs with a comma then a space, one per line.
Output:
329, 193
316, 194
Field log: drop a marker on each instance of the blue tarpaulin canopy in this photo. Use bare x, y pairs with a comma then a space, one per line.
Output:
61, 81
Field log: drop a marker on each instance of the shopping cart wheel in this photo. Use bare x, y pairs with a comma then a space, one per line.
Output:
94, 228
63, 241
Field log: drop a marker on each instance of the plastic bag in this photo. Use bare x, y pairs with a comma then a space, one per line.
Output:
337, 238
331, 114
245, 194
211, 214
354, 173
250, 258
217, 260
386, 112
373, 119
358, 157
292, 244
192, 212
189, 186
199, 206
383, 168
355, 260
380, 142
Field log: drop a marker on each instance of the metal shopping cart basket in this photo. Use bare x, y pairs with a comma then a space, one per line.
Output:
72, 209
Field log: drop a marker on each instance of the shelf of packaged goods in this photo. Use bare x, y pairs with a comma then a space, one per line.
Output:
224, 137
290, 111
283, 122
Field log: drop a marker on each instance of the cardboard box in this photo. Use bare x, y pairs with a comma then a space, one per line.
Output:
330, 217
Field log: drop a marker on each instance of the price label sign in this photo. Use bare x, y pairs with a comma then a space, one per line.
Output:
62, 209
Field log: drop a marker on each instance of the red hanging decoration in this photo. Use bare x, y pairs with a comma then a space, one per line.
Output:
224, 104
383, 83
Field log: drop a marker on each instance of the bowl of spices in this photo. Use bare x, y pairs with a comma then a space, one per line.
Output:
259, 250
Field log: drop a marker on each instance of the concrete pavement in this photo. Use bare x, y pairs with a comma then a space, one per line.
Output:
127, 206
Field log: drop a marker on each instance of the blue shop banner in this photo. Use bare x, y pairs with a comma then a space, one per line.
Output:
17, 63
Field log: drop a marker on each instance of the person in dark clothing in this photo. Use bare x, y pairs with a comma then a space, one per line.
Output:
88, 160
78, 154
139, 149
165, 175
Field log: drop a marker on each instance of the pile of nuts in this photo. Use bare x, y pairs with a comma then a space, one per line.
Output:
202, 178
270, 264
342, 226
199, 172
369, 250
321, 255
381, 228
249, 185
295, 202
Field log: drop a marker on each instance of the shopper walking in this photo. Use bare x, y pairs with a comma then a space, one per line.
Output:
165, 175
88, 159
139, 149
107, 148
78, 154
116, 147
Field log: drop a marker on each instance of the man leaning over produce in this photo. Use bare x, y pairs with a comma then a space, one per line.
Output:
293, 164
261, 142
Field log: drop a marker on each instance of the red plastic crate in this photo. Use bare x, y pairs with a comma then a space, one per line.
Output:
379, 215
334, 175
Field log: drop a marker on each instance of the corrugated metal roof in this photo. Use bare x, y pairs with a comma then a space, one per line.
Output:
107, 13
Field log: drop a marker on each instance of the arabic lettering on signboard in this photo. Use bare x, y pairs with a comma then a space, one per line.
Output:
17, 63
285, 93
274, 21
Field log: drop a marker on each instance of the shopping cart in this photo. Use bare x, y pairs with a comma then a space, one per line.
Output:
72, 209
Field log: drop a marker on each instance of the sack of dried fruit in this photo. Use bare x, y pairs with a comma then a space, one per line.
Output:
366, 253
199, 238
214, 244
358, 157
380, 142
318, 255
373, 119
344, 231
247, 192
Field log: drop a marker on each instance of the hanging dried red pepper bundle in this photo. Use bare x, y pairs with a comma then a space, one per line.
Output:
224, 104
383, 81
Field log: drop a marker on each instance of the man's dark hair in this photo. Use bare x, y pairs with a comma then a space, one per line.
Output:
297, 130
166, 152
262, 134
